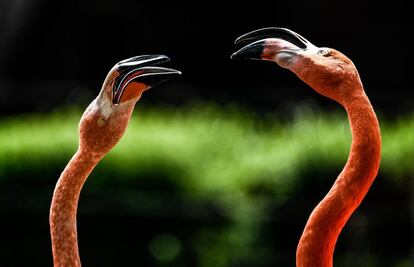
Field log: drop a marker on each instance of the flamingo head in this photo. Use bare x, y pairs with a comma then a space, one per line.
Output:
326, 70
106, 118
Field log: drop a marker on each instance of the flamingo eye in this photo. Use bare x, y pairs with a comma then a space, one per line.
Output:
324, 52
101, 122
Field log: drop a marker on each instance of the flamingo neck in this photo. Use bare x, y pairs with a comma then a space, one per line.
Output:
316, 246
64, 207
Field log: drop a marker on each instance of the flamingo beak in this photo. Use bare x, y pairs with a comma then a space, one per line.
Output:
275, 44
142, 73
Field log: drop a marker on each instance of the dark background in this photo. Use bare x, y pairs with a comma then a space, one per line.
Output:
57, 53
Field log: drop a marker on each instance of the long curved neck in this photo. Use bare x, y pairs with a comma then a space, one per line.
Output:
64, 207
316, 246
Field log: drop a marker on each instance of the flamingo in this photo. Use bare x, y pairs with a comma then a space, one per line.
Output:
101, 127
333, 75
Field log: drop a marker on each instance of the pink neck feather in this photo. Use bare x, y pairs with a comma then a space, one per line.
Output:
316, 246
64, 207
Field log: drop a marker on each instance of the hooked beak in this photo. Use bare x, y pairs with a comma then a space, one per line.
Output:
275, 44
141, 69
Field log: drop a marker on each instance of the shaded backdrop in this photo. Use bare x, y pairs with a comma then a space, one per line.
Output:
54, 53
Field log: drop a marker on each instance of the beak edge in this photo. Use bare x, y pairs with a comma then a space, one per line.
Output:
251, 51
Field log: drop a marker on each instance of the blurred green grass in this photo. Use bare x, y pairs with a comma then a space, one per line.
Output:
223, 153
241, 162
206, 147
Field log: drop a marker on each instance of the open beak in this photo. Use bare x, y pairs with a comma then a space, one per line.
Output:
141, 70
276, 44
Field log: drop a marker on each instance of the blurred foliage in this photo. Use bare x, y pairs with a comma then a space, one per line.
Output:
242, 150
241, 164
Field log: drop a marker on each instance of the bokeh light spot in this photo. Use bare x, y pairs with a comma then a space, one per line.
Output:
165, 247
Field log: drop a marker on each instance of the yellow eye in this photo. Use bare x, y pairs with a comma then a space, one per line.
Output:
324, 52
101, 122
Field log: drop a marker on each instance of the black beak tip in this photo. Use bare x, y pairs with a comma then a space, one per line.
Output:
158, 78
171, 74
238, 56
141, 61
238, 40
251, 51
234, 56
